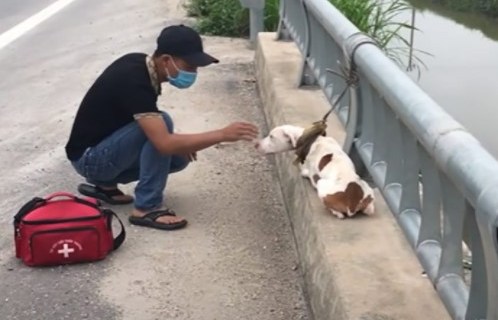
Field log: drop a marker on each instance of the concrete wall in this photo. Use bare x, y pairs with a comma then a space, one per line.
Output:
361, 268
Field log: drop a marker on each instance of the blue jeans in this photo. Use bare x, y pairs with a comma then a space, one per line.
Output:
126, 156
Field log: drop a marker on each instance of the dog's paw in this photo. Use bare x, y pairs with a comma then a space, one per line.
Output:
305, 173
338, 214
369, 210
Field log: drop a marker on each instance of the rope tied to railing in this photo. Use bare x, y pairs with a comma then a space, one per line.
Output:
350, 76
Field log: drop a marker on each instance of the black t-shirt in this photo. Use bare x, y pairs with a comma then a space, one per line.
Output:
121, 91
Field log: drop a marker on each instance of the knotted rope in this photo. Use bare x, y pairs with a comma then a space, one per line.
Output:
349, 74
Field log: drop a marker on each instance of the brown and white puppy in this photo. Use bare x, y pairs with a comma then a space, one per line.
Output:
329, 169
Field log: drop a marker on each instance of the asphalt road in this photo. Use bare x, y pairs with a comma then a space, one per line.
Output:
235, 260
13, 12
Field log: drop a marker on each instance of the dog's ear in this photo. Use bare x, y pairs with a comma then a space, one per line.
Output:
293, 140
291, 136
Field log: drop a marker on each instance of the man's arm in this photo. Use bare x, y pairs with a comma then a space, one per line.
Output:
167, 143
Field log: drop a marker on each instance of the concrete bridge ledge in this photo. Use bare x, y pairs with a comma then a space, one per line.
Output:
361, 268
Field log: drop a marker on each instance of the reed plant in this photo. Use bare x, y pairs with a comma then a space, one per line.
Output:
381, 20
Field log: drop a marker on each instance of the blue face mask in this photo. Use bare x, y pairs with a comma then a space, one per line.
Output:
183, 79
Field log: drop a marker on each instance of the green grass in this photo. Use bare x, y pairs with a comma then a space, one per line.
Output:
377, 18
219, 17
228, 18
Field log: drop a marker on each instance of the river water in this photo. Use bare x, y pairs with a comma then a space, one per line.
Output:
462, 74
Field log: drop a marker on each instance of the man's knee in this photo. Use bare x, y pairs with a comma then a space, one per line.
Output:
178, 163
183, 164
168, 121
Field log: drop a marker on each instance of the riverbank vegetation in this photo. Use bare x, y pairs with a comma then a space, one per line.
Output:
377, 18
487, 7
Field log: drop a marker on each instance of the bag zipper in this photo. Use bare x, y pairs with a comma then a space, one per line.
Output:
53, 221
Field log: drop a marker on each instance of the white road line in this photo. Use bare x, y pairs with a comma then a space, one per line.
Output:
28, 24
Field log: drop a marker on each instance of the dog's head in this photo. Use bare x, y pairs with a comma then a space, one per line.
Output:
280, 139
356, 197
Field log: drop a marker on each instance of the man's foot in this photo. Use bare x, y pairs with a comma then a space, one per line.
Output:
164, 219
118, 194
111, 195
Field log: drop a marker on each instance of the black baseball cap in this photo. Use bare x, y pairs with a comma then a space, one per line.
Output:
185, 43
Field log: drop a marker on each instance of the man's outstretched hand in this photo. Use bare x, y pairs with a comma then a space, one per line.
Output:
239, 131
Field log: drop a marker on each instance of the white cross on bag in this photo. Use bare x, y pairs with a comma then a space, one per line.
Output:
65, 250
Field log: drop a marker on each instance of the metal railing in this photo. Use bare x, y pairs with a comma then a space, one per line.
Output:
439, 182
256, 17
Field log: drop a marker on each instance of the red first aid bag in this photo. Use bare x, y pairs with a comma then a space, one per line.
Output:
64, 229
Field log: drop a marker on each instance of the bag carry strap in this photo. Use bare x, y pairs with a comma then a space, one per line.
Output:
118, 241
60, 194
37, 201
70, 196
27, 208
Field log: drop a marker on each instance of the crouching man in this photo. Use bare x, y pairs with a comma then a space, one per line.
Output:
120, 136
